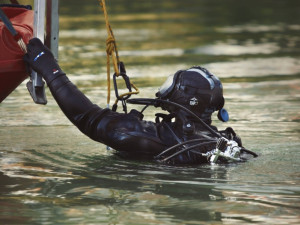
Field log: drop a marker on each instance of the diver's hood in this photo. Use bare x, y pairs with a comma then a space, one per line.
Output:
197, 89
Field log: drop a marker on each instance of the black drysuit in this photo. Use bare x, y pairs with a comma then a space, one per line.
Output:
128, 133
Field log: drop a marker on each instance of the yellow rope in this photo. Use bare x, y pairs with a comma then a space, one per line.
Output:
112, 51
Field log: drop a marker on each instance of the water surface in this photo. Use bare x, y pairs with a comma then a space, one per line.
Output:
52, 174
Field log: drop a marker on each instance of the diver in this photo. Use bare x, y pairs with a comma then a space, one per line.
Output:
182, 136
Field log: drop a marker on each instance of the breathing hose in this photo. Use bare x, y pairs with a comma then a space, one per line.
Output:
151, 101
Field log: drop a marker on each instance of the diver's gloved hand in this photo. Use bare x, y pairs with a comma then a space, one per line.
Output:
41, 60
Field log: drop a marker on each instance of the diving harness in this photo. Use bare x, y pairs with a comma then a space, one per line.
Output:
226, 149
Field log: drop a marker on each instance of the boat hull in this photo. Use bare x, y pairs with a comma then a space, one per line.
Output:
12, 67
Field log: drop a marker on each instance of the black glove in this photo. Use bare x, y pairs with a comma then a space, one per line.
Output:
41, 60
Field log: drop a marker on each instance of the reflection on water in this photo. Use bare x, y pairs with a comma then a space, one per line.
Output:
227, 49
262, 67
52, 174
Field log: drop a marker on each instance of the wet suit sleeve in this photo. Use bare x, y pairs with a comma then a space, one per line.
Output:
123, 132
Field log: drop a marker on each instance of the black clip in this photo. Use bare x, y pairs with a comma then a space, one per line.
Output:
125, 78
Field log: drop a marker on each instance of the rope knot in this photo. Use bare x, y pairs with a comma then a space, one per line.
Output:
112, 51
110, 45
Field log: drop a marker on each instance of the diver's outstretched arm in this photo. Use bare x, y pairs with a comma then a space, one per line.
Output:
123, 132
75, 105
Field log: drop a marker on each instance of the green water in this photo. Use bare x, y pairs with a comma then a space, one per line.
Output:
52, 174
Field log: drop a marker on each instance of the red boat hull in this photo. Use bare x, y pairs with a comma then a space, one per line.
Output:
12, 67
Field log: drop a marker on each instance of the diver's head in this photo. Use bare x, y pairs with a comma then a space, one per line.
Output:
196, 89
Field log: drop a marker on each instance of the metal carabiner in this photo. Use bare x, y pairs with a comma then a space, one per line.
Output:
125, 78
